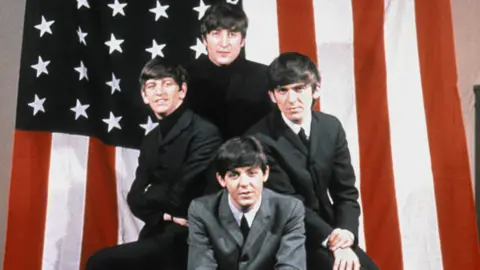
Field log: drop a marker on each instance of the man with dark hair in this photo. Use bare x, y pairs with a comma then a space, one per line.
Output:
225, 88
171, 166
245, 226
309, 159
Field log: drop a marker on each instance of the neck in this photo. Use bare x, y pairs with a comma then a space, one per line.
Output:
162, 116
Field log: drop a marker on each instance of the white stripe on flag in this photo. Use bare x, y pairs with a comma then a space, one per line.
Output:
262, 43
411, 156
66, 202
126, 161
335, 61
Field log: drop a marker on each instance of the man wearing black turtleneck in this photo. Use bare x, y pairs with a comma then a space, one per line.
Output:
171, 167
225, 88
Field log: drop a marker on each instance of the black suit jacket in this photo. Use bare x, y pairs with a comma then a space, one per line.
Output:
276, 239
173, 170
232, 97
312, 173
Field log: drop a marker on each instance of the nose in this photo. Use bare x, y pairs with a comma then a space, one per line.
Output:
224, 39
291, 96
244, 180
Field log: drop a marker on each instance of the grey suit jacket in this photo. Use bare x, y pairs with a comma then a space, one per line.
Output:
276, 239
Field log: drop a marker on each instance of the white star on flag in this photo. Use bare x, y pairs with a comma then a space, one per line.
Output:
112, 122
80, 110
81, 36
82, 3
149, 126
41, 66
232, 2
114, 44
199, 48
156, 49
201, 9
82, 71
44, 26
37, 105
117, 8
114, 84
160, 11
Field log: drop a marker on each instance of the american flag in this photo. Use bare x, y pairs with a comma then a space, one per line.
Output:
389, 75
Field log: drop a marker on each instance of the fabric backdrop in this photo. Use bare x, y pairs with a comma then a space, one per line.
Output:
389, 75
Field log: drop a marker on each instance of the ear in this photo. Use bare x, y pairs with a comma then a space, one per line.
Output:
243, 42
220, 180
144, 96
266, 174
316, 92
272, 96
183, 91
204, 41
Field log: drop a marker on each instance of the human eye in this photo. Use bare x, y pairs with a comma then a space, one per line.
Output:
233, 34
233, 175
282, 91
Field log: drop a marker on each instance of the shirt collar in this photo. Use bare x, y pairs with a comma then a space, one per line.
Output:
250, 215
306, 124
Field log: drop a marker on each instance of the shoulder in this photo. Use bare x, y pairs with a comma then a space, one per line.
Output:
203, 126
255, 65
285, 203
326, 119
261, 127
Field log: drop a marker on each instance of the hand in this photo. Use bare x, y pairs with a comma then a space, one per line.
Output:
340, 238
181, 221
345, 259
167, 217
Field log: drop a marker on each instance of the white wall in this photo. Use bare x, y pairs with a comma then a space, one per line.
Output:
11, 28
466, 28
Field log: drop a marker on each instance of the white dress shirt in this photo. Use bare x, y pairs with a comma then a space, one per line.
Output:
249, 216
306, 124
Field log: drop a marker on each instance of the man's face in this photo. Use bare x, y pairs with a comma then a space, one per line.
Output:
294, 100
244, 185
164, 95
223, 46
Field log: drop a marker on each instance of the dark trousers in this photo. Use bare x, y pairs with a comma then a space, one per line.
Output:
167, 249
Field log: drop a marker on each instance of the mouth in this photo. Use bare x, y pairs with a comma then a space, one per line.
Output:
295, 110
160, 101
245, 194
222, 53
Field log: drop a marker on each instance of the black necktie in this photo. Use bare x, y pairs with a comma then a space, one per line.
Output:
303, 137
244, 227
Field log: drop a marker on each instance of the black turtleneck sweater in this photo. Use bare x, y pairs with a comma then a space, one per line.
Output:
166, 123
232, 97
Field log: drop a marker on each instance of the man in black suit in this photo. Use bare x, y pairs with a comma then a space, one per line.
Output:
309, 159
226, 88
245, 226
171, 166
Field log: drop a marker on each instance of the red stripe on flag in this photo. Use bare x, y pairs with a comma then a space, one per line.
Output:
382, 235
27, 201
448, 148
101, 215
296, 29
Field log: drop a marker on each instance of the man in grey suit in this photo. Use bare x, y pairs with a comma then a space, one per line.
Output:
245, 226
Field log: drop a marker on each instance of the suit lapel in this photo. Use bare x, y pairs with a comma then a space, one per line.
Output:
183, 122
228, 221
259, 224
316, 137
282, 130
